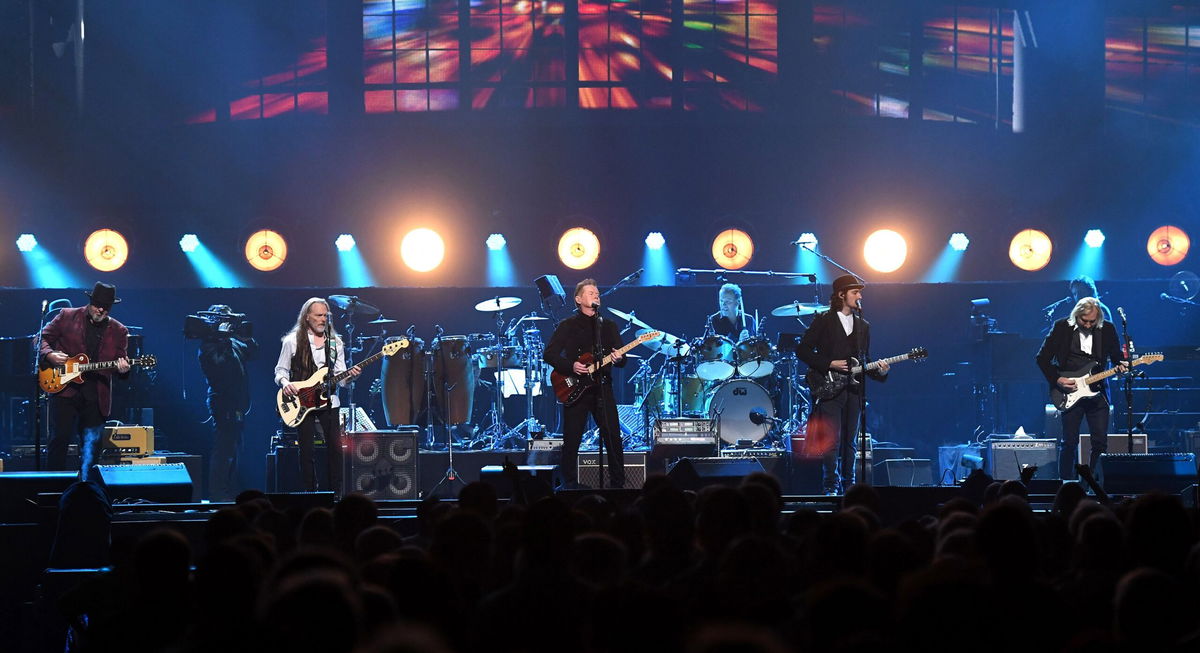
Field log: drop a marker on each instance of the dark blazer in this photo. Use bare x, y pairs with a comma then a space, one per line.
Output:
574, 337
67, 333
825, 341
1056, 349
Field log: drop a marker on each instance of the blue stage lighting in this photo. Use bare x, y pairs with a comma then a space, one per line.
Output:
344, 242
1094, 238
189, 243
655, 240
496, 242
807, 239
26, 242
959, 241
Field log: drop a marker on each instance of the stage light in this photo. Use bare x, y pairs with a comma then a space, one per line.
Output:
1168, 245
422, 249
1094, 238
959, 241
496, 242
106, 250
344, 243
189, 243
351, 264
1030, 250
578, 248
807, 239
210, 270
732, 249
26, 242
266, 250
655, 240
885, 250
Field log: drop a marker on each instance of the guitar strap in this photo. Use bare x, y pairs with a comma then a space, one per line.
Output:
330, 385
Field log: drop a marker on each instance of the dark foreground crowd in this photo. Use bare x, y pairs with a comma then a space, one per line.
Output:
721, 570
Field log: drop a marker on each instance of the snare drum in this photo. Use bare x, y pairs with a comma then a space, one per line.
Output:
730, 407
755, 357
715, 359
453, 369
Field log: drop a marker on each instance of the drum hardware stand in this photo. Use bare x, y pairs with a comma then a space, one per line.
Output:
494, 434
534, 373
451, 476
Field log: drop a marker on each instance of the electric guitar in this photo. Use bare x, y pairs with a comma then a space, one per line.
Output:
826, 385
1084, 382
56, 377
312, 392
570, 387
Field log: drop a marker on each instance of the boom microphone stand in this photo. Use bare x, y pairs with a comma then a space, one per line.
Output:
38, 395
1129, 354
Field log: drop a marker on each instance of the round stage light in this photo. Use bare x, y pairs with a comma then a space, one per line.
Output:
1030, 250
655, 240
732, 249
26, 242
1168, 245
885, 250
807, 240
1094, 238
422, 249
105, 250
189, 243
959, 241
344, 243
266, 250
578, 248
496, 242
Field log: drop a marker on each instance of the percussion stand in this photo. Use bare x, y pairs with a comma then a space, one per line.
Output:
533, 376
451, 476
494, 434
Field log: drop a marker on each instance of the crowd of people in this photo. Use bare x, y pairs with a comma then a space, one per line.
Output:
722, 569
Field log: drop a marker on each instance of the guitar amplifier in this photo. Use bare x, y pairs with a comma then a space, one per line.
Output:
127, 441
1006, 458
1118, 443
384, 464
588, 469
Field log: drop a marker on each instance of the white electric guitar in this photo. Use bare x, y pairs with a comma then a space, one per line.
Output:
1084, 382
312, 393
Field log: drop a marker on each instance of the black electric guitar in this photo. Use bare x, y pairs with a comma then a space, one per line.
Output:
570, 387
825, 385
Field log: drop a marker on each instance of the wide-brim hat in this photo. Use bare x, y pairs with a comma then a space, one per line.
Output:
103, 294
847, 282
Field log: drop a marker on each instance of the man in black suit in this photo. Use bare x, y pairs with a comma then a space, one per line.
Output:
836, 336
581, 333
1075, 347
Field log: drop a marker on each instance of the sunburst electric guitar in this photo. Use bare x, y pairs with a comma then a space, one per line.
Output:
56, 377
312, 392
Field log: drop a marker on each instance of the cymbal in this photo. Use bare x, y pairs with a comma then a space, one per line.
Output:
381, 320
796, 309
532, 318
497, 304
352, 304
630, 317
666, 343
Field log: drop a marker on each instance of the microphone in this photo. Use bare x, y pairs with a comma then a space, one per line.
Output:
411, 331
438, 330
1121, 312
44, 305
758, 417
1177, 300
595, 306
1054, 305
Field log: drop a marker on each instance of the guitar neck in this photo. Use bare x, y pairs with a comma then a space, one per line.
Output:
608, 358
1100, 376
338, 378
105, 365
875, 364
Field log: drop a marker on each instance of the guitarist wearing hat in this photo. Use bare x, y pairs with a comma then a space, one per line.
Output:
79, 409
1077, 344
834, 338
574, 337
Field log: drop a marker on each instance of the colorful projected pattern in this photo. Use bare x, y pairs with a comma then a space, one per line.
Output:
1152, 65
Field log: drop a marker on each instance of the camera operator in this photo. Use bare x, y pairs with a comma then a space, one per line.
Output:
226, 345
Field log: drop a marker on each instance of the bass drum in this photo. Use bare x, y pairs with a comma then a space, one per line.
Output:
730, 407
404, 383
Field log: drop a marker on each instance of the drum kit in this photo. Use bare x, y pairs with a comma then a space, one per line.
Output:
725, 381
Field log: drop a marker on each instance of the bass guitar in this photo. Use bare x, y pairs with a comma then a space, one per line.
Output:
56, 377
1087, 384
570, 387
313, 393
826, 385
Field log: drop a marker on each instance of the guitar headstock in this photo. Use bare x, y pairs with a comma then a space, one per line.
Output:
394, 346
1146, 359
649, 335
146, 360
918, 353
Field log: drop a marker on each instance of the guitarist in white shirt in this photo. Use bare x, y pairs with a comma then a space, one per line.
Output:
829, 343
297, 362
575, 336
1075, 346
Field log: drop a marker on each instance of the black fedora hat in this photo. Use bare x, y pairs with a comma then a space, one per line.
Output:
847, 282
103, 294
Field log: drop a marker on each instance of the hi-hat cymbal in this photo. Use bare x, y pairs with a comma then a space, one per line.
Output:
497, 304
631, 317
796, 309
352, 304
382, 320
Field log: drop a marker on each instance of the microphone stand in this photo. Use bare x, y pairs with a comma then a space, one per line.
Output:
631, 277
1129, 354
38, 394
598, 376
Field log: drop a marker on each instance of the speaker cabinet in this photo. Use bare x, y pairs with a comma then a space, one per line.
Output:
1122, 473
1118, 443
168, 483
383, 464
904, 472
589, 470
695, 473
1007, 457
283, 468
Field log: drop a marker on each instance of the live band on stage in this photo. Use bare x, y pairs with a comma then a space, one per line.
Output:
797, 391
